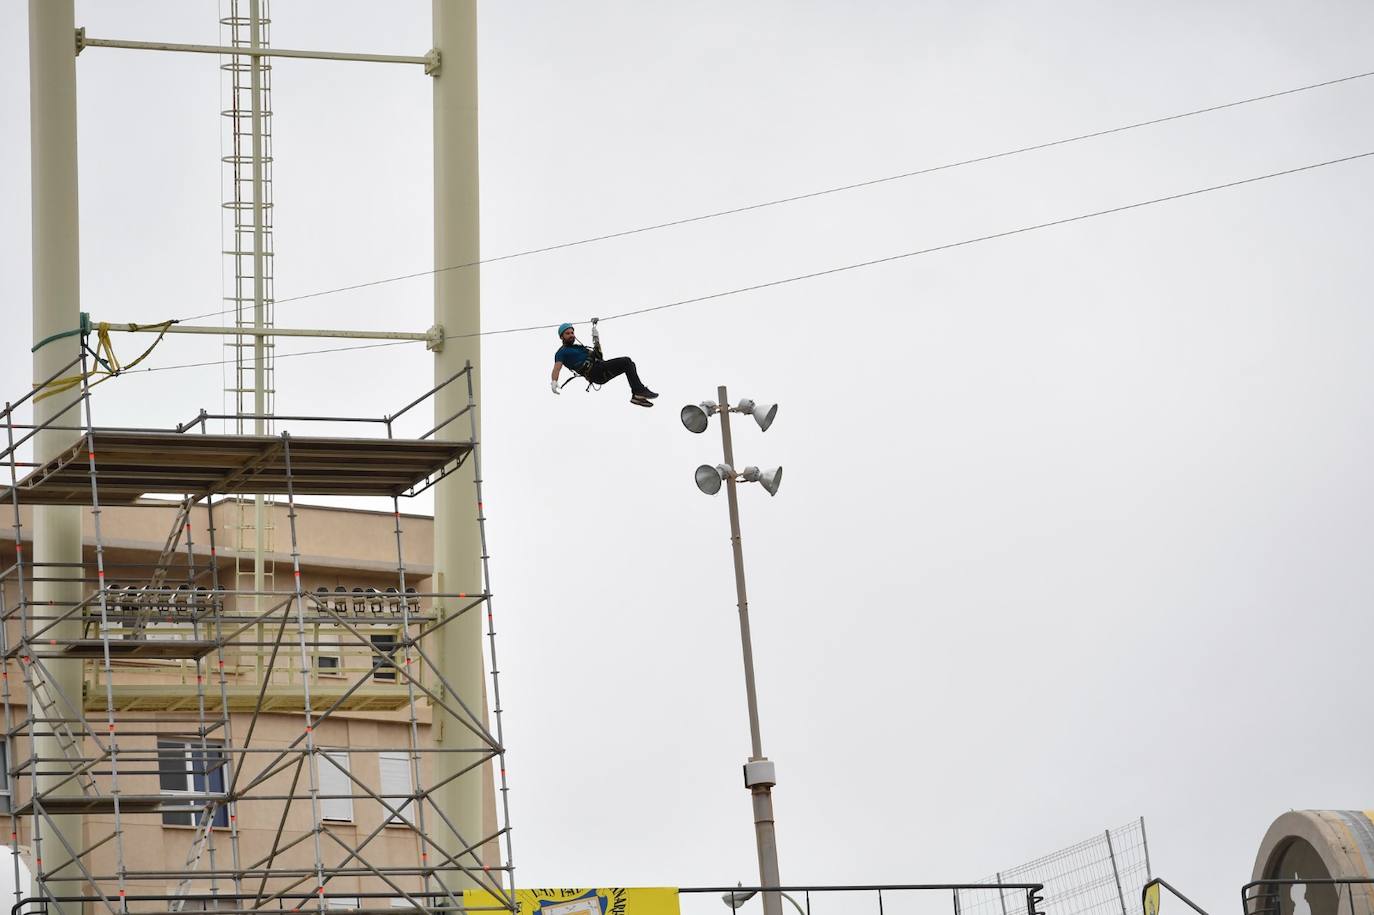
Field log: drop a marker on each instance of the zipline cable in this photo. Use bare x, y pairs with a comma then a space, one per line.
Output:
847, 267
945, 247
813, 194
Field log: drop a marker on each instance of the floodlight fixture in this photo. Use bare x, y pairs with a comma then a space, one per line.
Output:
763, 413
769, 479
736, 898
696, 417
709, 478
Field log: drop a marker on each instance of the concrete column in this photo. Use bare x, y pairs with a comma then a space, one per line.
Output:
456, 296
56, 308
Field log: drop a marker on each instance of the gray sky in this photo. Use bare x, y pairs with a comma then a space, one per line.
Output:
1076, 525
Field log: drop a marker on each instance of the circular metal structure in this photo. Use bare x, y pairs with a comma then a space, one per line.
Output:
1312, 846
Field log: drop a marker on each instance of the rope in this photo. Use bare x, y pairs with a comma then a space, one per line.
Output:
107, 363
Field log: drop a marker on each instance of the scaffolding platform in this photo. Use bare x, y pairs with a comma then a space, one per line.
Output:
105, 804
134, 464
160, 649
240, 705
372, 697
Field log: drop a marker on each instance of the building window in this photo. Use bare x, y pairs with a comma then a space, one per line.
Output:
341, 902
5, 797
397, 787
195, 770
328, 665
384, 643
336, 788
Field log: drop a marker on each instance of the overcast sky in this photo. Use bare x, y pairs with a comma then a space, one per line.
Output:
1076, 525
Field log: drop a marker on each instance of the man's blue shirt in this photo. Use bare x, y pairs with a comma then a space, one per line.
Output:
574, 357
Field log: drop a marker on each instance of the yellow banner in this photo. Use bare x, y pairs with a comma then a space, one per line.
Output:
597, 901
1151, 900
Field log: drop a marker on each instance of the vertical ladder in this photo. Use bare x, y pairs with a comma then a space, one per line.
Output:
237, 236
203, 839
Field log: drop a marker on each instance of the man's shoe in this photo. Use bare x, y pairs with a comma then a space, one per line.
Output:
649, 394
640, 401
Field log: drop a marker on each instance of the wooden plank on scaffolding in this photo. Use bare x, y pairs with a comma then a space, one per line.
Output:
182, 697
131, 465
128, 803
132, 648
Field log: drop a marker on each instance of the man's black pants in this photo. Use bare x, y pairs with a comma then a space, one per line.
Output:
603, 371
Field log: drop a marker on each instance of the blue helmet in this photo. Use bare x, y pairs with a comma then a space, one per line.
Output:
563, 327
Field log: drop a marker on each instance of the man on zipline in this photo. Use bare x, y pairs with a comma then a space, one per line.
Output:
590, 365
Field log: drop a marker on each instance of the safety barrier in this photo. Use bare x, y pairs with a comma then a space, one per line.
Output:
879, 899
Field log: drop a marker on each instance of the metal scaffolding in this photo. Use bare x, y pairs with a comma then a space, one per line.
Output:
218, 709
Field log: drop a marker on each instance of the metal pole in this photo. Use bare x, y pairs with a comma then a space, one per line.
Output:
764, 832
426, 61
56, 308
1116, 874
259, 311
434, 335
457, 545
1145, 844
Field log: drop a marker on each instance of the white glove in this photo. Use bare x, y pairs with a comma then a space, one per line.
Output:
553, 386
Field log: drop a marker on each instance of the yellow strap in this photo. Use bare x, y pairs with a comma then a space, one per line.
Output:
58, 385
104, 350
165, 325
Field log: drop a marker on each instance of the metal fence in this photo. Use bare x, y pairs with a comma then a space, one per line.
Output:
1102, 875
885, 899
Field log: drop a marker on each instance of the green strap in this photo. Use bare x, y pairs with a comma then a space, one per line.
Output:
85, 328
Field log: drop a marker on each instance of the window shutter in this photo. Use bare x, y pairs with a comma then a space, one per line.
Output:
332, 781
396, 786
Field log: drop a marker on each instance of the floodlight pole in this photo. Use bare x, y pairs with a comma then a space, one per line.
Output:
758, 778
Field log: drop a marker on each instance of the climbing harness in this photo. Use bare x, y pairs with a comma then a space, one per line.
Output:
593, 358
106, 363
